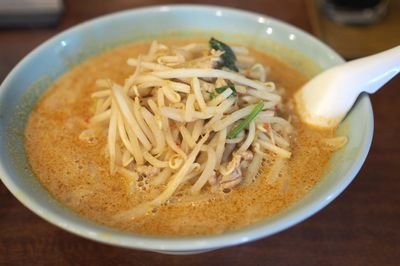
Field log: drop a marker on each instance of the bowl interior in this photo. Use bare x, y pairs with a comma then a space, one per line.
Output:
40, 68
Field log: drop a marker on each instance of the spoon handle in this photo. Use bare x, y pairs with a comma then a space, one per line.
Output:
325, 100
370, 73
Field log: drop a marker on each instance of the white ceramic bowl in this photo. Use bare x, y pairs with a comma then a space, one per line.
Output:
36, 71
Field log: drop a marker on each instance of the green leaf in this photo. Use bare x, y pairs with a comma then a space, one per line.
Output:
228, 57
212, 95
244, 123
223, 88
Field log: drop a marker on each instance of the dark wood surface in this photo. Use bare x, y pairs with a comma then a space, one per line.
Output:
361, 227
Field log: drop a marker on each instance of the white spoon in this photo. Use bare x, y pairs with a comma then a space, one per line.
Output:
325, 100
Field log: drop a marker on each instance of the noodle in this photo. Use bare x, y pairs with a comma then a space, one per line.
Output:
147, 65
101, 117
154, 161
173, 184
112, 136
123, 106
250, 138
123, 135
232, 118
162, 176
252, 169
220, 146
178, 118
159, 137
139, 117
209, 73
197, 92
208, 171
276, 170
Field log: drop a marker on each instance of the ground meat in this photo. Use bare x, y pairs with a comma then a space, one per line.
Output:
231, 180
147, 170
247, 155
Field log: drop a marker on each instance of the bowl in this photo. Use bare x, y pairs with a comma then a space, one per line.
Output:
32, 76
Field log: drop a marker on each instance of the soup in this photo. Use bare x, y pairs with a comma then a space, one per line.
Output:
80, 146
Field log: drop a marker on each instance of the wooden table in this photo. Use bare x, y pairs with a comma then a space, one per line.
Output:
361, 227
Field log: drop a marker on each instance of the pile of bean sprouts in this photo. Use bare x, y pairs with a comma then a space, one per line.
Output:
184, 118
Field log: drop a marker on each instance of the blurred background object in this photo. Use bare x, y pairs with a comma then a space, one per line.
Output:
30, 13
356, 28
355, 12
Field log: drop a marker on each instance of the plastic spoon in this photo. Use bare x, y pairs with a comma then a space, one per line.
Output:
325, 100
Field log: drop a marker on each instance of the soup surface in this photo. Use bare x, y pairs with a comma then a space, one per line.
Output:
77, 173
